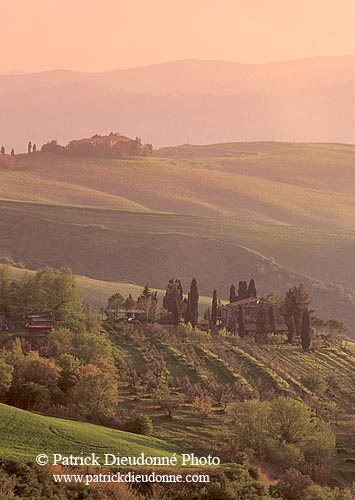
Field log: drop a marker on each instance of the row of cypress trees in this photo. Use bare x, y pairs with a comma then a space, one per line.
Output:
245, 291
181, 308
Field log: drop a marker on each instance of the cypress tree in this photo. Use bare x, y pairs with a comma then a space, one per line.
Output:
130, 303
242, 290
252, 288
2, 150
12, 152
296, 300
306, 330
176, 313
214, 308
232, 294
173, 298
187, 317
192, 304
167, 302
301, 303
29, 148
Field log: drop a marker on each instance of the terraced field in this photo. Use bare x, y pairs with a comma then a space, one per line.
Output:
256, 367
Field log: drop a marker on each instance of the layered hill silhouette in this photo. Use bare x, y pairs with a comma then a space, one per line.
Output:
185, 101
295, 184
116, 245
196, 77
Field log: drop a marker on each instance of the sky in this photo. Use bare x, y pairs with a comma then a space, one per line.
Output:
100, 35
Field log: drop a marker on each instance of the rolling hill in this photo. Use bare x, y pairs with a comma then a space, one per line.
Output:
280, 212
25, 435
280, 183
116, 245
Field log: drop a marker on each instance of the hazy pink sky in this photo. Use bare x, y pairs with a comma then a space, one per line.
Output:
110, 34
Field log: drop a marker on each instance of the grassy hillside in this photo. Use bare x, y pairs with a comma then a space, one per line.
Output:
280, 212
116, 245
260, 182
288, 201
25, 434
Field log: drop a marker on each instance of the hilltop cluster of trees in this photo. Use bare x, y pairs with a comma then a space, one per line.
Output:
297, 315
31, 148
100, 146
52, 147
177, 308
294, 308
245, 291
3, 151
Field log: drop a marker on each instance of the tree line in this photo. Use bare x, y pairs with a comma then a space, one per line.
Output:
178, 308
3, 151
48, 290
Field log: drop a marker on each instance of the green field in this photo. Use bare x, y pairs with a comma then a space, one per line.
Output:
24, 435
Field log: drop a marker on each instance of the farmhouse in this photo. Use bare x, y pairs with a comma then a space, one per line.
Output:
256, 316
40, 322
113, 145
132, 315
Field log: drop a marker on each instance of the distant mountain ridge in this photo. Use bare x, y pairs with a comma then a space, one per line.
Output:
185, 101
199, 77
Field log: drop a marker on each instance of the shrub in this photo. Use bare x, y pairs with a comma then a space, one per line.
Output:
141, 425
284, 455
314, 382
275, 339
294, 485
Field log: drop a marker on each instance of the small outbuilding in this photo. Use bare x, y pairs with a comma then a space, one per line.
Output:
40, 322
